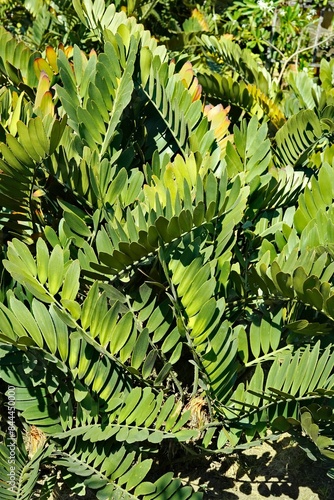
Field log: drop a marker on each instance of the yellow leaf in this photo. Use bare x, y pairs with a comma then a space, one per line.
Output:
43, 86
16, 114
200, 19
38, 193
47, 106
190, 81
170, 182
51, 56
69, 51
219, 121
41, 65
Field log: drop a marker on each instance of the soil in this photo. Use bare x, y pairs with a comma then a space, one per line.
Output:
277, 470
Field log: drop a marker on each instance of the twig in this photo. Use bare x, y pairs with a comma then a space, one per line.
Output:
273, 47
298, 47
305, 49
270, 45
317, 36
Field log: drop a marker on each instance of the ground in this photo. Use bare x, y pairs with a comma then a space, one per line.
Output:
277, 470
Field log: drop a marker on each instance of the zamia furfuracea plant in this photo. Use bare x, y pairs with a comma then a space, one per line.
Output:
167, 279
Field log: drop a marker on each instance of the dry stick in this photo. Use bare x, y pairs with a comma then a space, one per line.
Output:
274, 47
305, 49
317, 35
298, 47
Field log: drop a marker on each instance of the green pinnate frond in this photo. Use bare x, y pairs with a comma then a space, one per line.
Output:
307, 92
302, 283
19, 472
246, 96
103, 105
120, 474
16, 60
46, 277
326, 74
263, 339
165, 283
298, 138
138, 416
252, 154
287, 383
97, 16
22, 158
226, 52
316, 197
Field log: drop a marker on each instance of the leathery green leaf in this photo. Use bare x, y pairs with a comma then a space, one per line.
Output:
140, 349
131, 402
24, 253
71, 282
165, 411
138, 473
55, 270
149, 364
27, 320
88, 306
108, 324
121, 333
76, 224
116, 186
27, 281
42, 257
45, 324
61, 332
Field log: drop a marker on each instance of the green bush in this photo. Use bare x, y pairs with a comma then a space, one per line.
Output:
167, 264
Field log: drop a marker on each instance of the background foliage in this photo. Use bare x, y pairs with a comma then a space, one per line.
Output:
166, 239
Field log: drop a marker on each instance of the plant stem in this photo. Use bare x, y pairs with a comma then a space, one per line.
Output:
305, 49
267, 357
